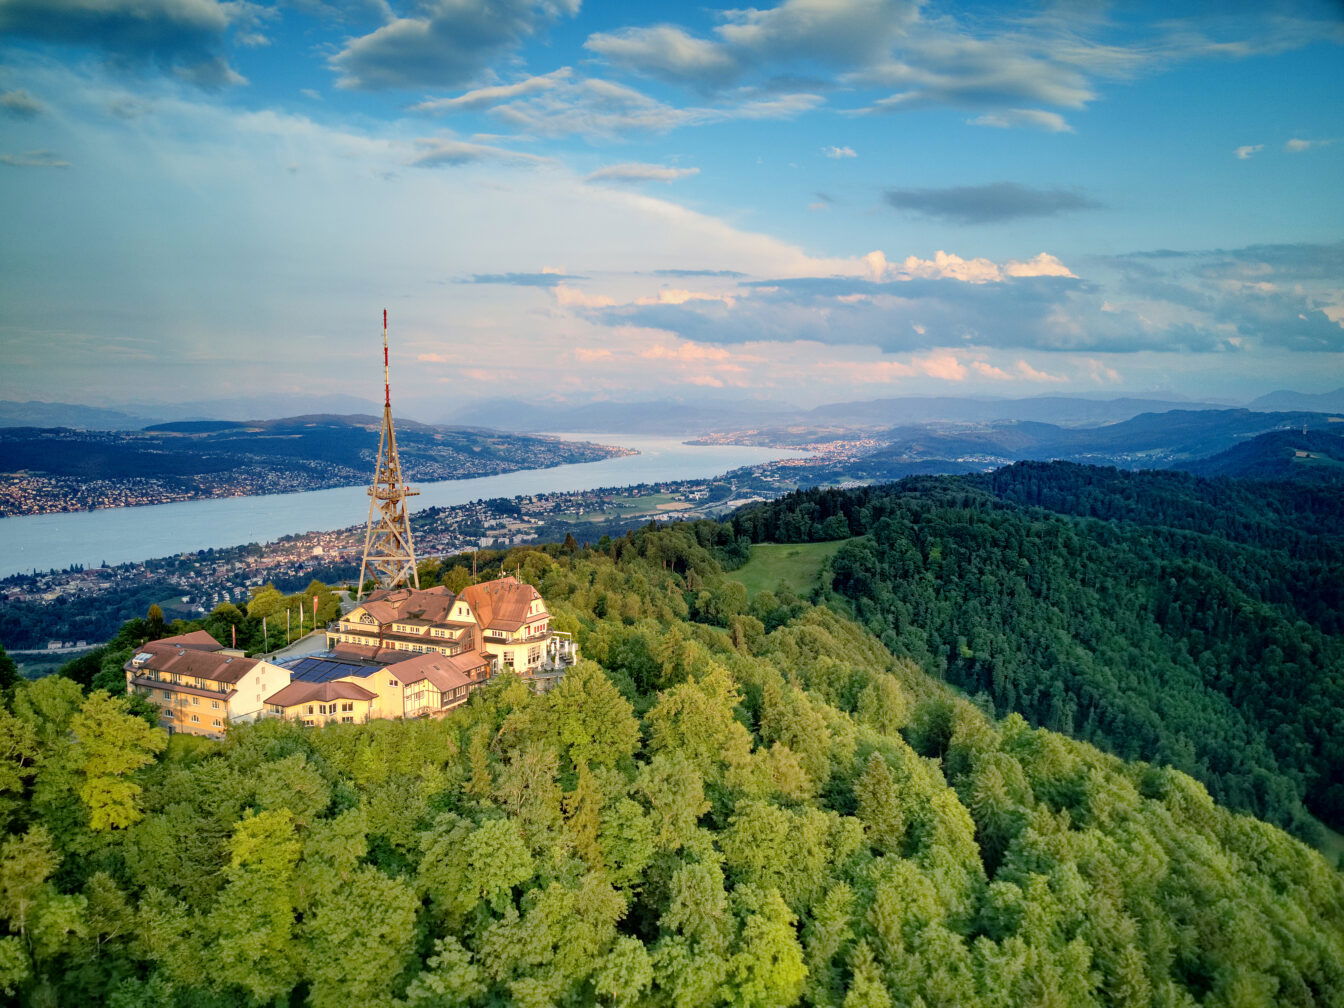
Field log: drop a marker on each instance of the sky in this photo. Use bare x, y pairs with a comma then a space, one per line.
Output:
818, 201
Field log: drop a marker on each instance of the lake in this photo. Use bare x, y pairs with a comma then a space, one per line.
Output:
121, 535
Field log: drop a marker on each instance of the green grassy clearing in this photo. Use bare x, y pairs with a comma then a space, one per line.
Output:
798, 565
629, 507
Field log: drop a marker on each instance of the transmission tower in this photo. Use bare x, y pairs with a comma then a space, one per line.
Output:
389, 557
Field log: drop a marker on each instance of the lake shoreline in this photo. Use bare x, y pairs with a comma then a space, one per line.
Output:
112, 536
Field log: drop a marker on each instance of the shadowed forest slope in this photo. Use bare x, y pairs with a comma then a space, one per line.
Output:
1155, 614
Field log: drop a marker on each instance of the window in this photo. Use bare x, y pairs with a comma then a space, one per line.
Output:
534, 654
392, 683
166, 694
275, 709
308, 722
195, 719
214, 705
310, 710
347, 720
216, 722
348, 706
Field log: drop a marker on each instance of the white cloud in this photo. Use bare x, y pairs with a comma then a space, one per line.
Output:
1297, 146
1051, 122
448, 44
839, 152
1248, 152
638, 171
487, 97
950, 266
601, 109
667, 52
1041, 264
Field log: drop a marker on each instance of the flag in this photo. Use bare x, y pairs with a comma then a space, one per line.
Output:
314, 612
233, 634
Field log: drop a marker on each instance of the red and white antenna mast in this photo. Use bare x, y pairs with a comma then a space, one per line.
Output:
389, 555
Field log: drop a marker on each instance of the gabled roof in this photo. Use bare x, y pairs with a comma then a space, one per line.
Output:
164, 657
501, 604
300, 692
402, 604
442, 672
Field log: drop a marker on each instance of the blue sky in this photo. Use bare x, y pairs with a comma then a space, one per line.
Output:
809, 202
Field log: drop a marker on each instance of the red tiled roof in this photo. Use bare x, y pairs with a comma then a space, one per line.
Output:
501, 604
197, 640
310, 692
444, 673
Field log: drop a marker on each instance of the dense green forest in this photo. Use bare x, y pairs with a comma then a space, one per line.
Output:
1158, 615
728, 802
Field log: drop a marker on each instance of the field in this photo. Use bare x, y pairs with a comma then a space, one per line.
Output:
649, 504
798, 565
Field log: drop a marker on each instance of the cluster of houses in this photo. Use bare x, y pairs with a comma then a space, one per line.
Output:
401, 653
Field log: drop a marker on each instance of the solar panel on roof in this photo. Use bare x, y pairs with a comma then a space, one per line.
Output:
318, 669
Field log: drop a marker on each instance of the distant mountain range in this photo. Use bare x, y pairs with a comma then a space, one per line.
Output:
666, 417
45, 414
1325, 402
1147, 441
1246, 443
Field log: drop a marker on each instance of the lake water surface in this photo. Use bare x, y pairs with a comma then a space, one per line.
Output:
120, 535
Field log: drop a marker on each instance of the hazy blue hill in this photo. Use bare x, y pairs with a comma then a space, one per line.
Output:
1147, 440
1063, 410
209, 458
1316, 455
98, 455
1325, 402
45, 414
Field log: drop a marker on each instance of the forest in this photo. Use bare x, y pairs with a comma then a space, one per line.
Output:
1158, 615
731, 801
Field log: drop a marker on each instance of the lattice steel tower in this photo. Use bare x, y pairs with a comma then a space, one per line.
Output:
389, 556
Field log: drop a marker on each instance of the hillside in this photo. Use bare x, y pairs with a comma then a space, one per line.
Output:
1157, 615
63, 470
1312, 455
732, 803
1149, 440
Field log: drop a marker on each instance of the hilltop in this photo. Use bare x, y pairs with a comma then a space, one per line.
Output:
1311, 455
734, 802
